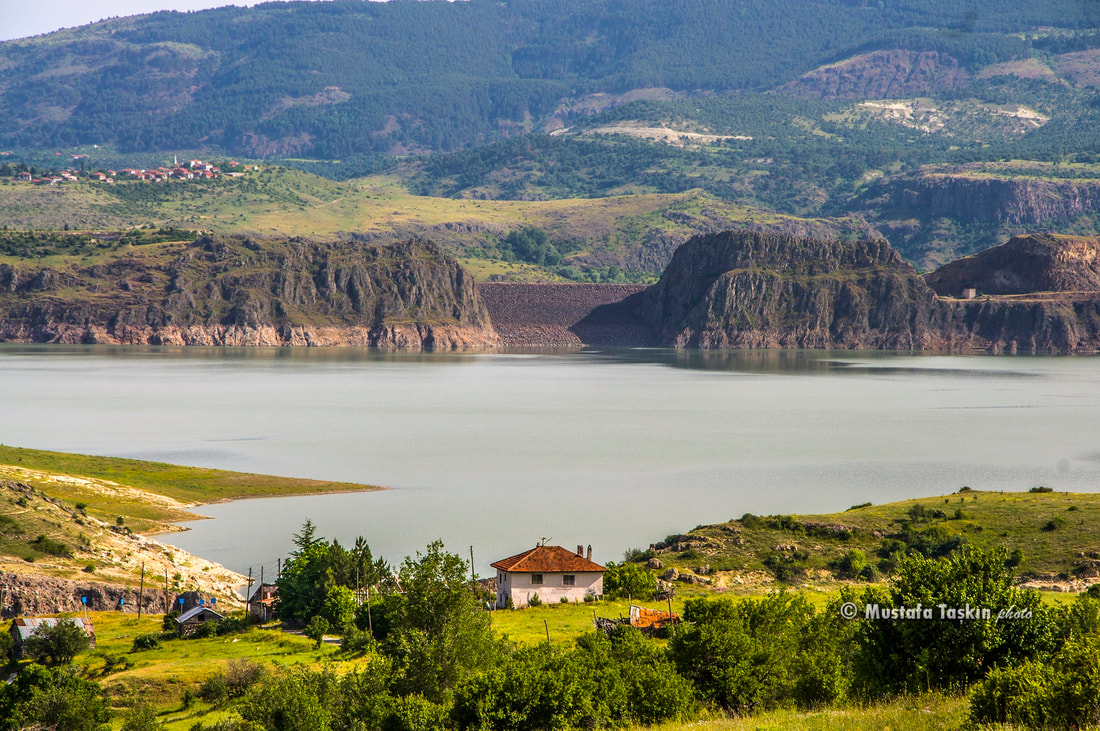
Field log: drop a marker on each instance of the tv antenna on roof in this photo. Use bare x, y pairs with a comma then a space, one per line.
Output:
543, 540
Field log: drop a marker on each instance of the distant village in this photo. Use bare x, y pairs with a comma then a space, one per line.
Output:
188, 170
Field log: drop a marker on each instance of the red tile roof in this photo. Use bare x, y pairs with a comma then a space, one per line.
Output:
546, 559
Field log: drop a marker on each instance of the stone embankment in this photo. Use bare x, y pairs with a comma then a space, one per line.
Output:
565, 315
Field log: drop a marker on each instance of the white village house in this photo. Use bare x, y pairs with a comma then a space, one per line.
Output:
552, 572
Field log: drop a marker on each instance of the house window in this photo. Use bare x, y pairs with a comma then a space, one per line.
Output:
568, 580
536, 579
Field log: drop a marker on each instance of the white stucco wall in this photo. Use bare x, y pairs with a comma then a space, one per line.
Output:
518, 586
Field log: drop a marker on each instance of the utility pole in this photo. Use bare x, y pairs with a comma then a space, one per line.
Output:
248, 592
141, 591
370, 624
473, 579
263, 607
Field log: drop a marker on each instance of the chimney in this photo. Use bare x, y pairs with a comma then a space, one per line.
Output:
580, 550
589, 551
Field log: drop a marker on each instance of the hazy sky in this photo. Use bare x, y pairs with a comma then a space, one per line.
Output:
22, 18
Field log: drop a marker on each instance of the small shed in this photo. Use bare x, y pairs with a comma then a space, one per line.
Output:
23, 627
969, 293
261, 605
190, 620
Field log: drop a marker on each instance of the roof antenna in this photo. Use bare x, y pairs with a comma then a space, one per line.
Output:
542, 541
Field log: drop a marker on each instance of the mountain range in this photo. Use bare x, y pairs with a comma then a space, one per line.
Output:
944, 128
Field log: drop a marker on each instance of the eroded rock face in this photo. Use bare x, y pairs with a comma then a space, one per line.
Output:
1025, 264
888, 74
240, 291
750, 290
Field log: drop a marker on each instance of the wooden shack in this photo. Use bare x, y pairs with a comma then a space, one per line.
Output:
23, 627
194, 617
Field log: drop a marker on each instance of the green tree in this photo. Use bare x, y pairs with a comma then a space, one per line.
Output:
53, 698
757, 654
57, 645
439, 632
293, 700
339, 608
897, 655
316, 629
628, 579
141, 717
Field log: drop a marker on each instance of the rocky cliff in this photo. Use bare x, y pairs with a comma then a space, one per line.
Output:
1025, 264
750, 290
1028, 201
243, 291
881, 75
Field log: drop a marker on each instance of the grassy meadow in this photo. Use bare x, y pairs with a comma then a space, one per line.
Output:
193, 485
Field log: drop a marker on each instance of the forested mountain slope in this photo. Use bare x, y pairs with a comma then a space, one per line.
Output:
338, 78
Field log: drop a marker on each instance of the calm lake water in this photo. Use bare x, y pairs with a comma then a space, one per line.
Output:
610, 448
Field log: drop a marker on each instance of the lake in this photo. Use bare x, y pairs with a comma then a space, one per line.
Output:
613, 448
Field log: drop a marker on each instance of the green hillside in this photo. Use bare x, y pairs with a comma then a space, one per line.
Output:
339, 78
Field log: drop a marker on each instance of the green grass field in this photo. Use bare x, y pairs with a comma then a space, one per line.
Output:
1056, 533
185, 484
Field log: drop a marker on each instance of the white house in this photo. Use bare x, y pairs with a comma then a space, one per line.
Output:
551, 572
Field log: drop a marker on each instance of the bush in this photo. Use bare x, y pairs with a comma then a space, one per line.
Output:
316, 630
1053, 524
141, 717
748, 520
628, 580
49, 546
356, 642
1041, 488
615, 680
145, 642
854, 565
1063, 693
416, 713
788, 569
757, 654
898, 655
534, 600
214, 690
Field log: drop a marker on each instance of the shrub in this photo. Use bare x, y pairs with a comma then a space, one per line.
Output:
788, 569
316, 629
748, 520
756, 654
141, 717
854, 565
534, 600
861, 505
1053, 524
941, 653
1063, 693
48, 545
89, 569
563, 600
214, 690
145, 642
1041, 488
